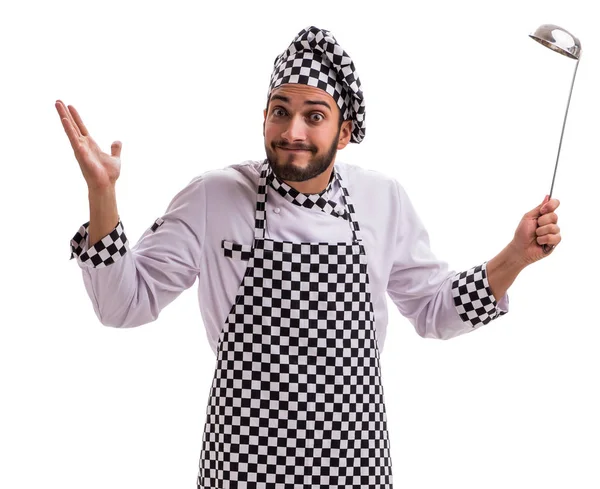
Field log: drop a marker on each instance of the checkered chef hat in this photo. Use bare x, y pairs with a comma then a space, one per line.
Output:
316, 59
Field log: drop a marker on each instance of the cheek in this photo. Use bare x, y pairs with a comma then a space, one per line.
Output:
270, 132
323, 139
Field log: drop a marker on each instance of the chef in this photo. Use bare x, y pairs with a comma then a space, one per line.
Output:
294, 256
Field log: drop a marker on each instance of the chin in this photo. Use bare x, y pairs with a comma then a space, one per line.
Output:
296, 160
290, 160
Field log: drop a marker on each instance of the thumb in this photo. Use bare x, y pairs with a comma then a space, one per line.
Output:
115, 149
537, 211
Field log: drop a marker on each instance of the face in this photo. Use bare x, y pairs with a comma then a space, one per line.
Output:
302, 132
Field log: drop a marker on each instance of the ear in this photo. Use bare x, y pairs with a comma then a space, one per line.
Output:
264, 121
345, 134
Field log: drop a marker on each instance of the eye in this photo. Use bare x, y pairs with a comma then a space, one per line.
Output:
316, 117
278, 112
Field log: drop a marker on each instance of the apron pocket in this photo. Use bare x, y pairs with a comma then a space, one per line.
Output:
236, 251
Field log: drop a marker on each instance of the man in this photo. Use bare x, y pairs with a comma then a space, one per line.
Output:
294, 256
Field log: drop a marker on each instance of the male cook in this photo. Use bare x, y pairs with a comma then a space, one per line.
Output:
293, 255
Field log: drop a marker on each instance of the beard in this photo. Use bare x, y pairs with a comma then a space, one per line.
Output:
287, 170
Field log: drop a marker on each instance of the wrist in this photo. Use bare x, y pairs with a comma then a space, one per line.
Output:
503, 269
513, 256
101, 192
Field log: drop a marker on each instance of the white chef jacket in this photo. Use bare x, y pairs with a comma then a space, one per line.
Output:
185, 244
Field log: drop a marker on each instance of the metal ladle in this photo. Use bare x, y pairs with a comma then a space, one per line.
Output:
565, 43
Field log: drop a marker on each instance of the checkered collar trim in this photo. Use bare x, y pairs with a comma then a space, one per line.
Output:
309, 200
260, 220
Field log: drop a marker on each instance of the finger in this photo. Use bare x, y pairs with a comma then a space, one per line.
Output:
62, 108
547, 249
549, 239
73, 138
547, 219
69, 129
550, 229
550, 206
536, 212
69, 116
78, 120
115, 149
69, 107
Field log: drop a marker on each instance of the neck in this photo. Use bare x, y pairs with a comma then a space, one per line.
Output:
314, 185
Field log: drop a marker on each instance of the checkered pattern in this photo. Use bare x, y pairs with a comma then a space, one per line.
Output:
473, 297
308, 200
296, 400
157, 224
235, 250
105, 252
315, 58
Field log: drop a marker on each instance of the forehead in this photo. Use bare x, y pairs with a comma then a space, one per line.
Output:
298, 93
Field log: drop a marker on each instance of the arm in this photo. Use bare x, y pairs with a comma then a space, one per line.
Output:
430, 296
439, 302
538, 227
503, 270
129, 287
104, 216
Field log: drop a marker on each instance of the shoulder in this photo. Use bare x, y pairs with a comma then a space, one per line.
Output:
225, 182
229, 177
364, 181
227, 187
227, 191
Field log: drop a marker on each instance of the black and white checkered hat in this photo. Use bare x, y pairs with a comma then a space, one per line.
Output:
316, 59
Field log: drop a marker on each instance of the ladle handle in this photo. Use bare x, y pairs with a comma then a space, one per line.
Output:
547, 249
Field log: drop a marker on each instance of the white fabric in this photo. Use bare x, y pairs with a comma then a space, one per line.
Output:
220, 204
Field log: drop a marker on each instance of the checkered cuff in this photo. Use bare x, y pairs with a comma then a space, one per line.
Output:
473, 297
105, 252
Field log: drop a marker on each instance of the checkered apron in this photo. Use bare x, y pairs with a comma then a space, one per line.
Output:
296, 400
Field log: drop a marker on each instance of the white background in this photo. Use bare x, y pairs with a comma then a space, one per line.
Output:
463, 108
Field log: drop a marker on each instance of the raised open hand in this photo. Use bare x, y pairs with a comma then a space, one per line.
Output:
99, 169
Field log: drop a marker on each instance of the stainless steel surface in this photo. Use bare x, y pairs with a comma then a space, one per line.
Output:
563, 128
558, 39
565, 43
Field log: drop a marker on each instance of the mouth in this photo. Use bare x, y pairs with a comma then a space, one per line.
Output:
293, 150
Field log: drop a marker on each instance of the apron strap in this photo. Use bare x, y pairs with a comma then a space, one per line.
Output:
261, 204
354, 226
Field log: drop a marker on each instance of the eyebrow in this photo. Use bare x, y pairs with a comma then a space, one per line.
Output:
307, 102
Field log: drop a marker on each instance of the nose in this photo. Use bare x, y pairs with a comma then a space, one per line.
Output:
295, 130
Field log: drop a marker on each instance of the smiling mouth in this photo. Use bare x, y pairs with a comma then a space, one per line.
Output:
293, 149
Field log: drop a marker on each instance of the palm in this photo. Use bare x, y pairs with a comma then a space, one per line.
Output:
99, 169
526, 239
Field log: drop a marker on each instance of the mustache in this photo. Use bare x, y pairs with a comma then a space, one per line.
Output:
285, 145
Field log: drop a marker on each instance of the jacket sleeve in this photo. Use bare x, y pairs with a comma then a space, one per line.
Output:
130, 286
440, 303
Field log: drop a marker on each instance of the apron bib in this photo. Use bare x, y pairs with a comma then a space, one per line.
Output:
296, 400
